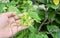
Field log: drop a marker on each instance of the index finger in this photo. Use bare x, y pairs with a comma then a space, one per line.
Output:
10, 14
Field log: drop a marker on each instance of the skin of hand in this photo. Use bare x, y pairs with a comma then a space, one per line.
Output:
8, 25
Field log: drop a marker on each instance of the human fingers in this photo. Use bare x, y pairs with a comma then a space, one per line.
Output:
16, 17
11, 20
16, 23
16, 29
10, 14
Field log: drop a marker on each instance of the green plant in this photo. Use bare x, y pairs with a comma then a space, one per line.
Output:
43, 17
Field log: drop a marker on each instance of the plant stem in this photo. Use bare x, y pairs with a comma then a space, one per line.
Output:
46, 17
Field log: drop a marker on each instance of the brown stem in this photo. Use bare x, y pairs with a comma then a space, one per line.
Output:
46, 17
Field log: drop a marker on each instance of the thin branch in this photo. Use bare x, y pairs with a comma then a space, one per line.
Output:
46, 17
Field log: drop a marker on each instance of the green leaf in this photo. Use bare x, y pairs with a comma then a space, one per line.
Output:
40, 35
13, 9
21, 34
43, 35
35, 16
41, 14
52, 6
52, 16
42, 1
13, 2
52, 28
56, 34
32, 29
32, 35
57, 20
2, 7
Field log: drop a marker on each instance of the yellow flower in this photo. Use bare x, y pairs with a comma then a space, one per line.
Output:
56, 2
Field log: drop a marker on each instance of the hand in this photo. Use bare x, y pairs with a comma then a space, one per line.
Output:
8, 25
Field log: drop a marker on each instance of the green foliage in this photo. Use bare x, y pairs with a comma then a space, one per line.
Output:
57, 19
35, 16
13, 9
2, 7
42, 20
40, 35
52, 6
52, 28
52, 16
56, 33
